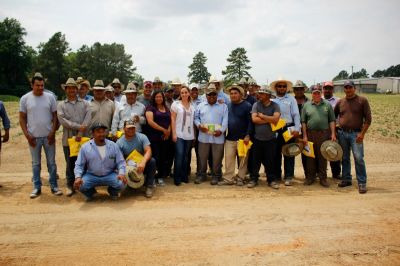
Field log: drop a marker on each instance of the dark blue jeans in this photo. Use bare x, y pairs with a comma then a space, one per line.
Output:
182, 149
150, 172
69, 169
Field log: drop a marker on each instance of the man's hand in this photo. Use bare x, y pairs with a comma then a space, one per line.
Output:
140, 167
122, 178
246, 140
333, 137
6, 136
78, 183
203, 129
166, 133
295, 133
51, 138
78, 138
217, 133
360, 138
31, 141
136, 119
82, 128
305, 140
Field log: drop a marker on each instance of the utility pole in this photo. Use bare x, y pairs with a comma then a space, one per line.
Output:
351, 72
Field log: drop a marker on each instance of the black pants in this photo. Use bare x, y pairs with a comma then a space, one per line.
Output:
336, 168
171, 156
160, 150
69, 169
264, 153
288, 163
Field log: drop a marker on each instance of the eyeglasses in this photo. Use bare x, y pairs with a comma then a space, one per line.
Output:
212, 94
281, 86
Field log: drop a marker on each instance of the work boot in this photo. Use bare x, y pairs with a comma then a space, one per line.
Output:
308, 182
344, 183
362, 188
214, 181
324, 183
225, 183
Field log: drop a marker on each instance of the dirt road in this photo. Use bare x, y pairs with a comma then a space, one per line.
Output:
201, 224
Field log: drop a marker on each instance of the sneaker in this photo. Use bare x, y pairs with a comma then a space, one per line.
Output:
288, 182
324, 183
274, 185
35, 193
161, 182
225, 183
239, 183
344, 183
70, 192
362, 188
214, 181
56, 191
308, 182
252, 184
149, 192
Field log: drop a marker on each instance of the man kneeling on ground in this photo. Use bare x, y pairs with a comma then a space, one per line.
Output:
133, 140
104, 164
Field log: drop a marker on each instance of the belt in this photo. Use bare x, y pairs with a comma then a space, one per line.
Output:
348, 130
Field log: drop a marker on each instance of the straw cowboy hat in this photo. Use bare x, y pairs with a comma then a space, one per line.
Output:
292, 149
109, 88
300, 84
85, 82
157, 80
176, 81
98, 85
252, 81
236, 87
331, 151
282, 80
135, 180
243, 81
115, 81
130, 88
79, 80
214, 79
70, 83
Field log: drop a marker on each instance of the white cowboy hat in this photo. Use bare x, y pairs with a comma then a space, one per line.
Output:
70, 83
135, 180
281, 80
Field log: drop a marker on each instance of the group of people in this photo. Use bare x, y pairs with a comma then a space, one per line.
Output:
164, 125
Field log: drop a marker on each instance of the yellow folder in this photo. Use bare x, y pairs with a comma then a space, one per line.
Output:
75, 146
281, 123
308, 150
135, 156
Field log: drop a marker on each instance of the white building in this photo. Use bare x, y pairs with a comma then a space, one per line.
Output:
373, 85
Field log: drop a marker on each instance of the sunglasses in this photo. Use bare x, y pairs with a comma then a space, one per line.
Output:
298, 88
281, 86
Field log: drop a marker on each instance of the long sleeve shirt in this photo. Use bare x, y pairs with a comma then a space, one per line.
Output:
89, 158
4, 116
289, 110
72, 115
102, 112
239, 120
211, 114
128, 111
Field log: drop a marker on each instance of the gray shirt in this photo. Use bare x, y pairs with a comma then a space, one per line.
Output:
39, 110
102, 112
264, 132
125, 112
73, 114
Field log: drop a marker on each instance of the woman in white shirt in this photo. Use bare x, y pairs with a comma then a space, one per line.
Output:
182, 116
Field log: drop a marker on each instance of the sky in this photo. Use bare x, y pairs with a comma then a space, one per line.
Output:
308, 40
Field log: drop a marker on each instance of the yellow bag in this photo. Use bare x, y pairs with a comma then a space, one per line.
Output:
75, 146
242, 148
308, 150
135, 156
281, 123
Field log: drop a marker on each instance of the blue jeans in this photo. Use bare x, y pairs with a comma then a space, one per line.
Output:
91, 181
182, 149
348, 142
36, 154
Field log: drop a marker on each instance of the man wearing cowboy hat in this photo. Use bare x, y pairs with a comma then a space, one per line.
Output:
239, 127
169, 96
38, 121
222, 97
327, 90
110, 95
133, 140
211, 118
74, 115
145, 99
83, 89
176, 87
299, 88
290, 113
253, 88
247, 97
354, 115
101, 108
264, 113
100, 163
157, 84
318, 125
131, 110
116, 84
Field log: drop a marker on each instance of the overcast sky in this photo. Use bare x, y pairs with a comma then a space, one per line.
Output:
308, 40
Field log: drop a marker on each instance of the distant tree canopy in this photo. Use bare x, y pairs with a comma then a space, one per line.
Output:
356, 75
237, 66
198, 71
393, 71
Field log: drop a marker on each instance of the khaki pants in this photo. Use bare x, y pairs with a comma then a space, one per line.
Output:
230, 162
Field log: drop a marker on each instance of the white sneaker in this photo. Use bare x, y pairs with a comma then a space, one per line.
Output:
69, 192
56, 191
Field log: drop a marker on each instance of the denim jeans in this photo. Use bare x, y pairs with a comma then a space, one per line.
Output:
150, 173
348, 142
90, 182
36, 154
182, 149
69, 168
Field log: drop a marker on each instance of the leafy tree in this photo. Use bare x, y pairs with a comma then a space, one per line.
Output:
16, 58
52, 63
342, 75
198, 71
392, 71
360, 74
237, 66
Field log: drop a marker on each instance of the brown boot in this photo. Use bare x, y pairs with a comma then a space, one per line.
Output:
308, 181
324, 183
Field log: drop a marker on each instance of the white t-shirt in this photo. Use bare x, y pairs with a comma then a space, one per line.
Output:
184, 120
102, 151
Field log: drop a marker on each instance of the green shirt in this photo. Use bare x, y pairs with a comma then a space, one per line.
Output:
317, 116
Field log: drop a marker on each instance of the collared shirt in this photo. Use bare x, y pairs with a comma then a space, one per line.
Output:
211, 114
73, 114
89, 158
127, 112
222, 97
143, 100
317, 116
86, 98
102, 112
118, 98
289, 110
4, 116
239, 120
197, 101
332, 101
353, 113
